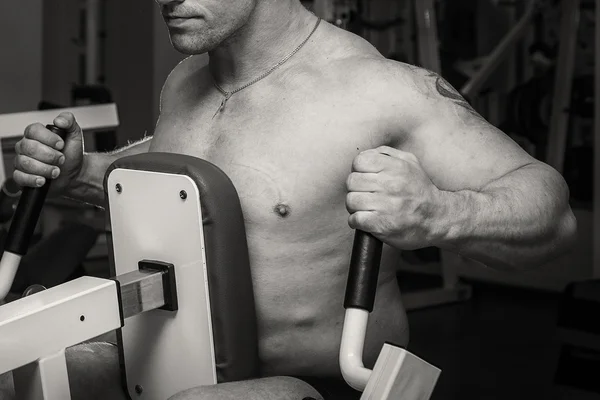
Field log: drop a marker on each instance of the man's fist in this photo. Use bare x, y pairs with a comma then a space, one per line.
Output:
42, 154
391, 196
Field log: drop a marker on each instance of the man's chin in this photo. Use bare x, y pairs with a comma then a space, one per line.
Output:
184, 46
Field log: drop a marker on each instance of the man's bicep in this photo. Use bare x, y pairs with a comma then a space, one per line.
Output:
460, 155
457, 147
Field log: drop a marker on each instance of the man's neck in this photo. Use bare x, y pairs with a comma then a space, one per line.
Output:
275, 29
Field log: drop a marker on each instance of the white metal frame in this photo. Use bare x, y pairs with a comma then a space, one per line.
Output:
87, 306
397, 374
164, 352
149, 220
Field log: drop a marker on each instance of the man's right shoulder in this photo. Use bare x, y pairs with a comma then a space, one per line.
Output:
191, 68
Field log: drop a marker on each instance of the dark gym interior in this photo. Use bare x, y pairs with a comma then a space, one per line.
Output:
495, 335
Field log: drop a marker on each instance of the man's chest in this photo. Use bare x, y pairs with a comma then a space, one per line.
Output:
285, 165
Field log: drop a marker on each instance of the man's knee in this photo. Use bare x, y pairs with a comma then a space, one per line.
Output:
280, 388
94, 371
7, 391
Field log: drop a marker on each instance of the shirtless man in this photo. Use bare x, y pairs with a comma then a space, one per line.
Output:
335, 138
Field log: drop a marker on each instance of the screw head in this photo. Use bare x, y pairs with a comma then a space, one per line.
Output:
139, 389
183, 195
119, 188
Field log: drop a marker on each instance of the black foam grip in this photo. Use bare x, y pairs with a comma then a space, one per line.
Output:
364, 270
28, 211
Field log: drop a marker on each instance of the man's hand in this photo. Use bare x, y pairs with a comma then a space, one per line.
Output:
391, 196
42, 155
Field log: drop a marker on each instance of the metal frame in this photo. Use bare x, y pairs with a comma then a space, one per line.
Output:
92, 47
563, 82
472, 87
168, 228
596, 230
88, 306
397, 374
166, 330
43, 379
570, 12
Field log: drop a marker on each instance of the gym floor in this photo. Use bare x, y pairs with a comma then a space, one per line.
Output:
501, 344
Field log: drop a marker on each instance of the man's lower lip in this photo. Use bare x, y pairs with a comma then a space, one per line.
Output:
178, 21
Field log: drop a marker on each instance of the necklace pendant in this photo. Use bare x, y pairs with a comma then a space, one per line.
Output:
222, 106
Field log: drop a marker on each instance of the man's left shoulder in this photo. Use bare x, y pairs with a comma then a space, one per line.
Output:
394, 88
380, 70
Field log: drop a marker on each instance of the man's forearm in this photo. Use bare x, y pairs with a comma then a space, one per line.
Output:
520, 220
89, 185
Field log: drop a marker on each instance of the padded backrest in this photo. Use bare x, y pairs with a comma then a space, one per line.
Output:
228, 267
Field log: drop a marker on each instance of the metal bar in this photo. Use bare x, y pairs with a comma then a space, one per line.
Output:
596, 225
91, 47
427, 36
141, 291
47, 322
499, 54
45, 379
563, 83
96, 117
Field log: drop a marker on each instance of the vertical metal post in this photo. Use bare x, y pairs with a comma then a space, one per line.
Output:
596, 180
563, 83
92, 46
427, 36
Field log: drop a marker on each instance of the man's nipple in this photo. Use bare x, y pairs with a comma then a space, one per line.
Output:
282, 210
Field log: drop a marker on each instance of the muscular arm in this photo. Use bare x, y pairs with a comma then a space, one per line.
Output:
500, 206
88, 187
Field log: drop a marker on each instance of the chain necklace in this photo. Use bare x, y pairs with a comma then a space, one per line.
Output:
272, 69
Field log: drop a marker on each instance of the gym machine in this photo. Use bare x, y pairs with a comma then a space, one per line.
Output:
181, 298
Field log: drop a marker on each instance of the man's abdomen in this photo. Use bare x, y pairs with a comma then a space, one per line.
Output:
300, 335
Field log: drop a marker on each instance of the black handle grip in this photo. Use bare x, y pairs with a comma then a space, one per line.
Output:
364, 271
28, 211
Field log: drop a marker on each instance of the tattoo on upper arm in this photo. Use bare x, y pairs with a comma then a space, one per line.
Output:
446, 90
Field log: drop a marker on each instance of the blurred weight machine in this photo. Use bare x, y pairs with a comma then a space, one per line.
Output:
549, 109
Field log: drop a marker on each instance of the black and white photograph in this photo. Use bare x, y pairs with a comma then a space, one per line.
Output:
300, 200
